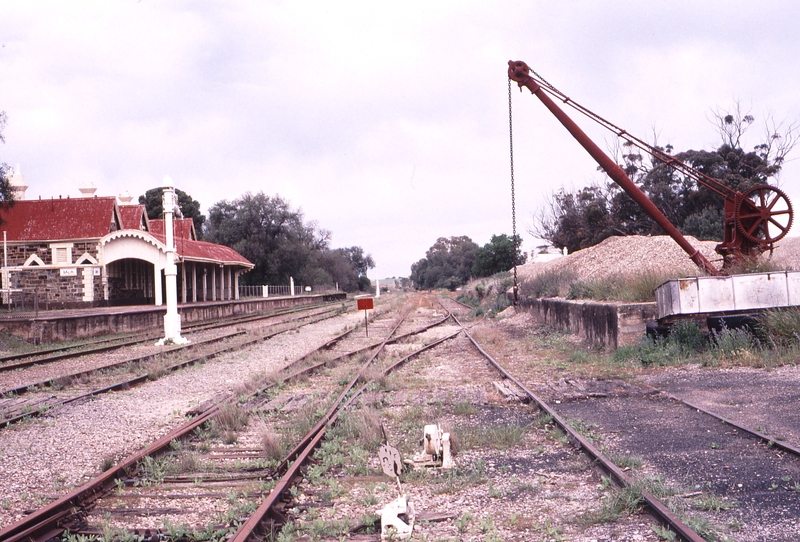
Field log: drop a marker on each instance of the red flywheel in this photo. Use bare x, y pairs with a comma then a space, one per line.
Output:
764, 214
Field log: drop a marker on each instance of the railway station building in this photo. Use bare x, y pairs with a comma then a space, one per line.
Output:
98, 251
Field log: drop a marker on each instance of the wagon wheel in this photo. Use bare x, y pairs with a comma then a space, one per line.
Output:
764, 214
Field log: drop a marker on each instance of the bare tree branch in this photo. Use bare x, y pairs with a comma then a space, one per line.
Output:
779, 140
732, 124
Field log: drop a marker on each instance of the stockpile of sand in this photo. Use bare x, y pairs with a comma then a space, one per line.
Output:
660, 254
787, 254
629, 255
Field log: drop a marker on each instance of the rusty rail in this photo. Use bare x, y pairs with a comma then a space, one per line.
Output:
620, 478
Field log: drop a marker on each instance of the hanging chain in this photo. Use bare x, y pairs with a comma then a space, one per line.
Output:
513, 202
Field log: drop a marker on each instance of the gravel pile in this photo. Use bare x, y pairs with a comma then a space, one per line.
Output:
787, 254
636, 254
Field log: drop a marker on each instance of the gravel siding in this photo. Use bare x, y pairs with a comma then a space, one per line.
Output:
43, 459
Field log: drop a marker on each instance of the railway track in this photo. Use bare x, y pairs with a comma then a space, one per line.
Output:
27, 397
697, 460
142, 463
15, 362
518, 474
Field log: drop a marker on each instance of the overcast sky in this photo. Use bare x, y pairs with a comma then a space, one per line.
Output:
385, 122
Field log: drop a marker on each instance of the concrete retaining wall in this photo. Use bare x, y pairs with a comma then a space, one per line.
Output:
609, 325
57, 326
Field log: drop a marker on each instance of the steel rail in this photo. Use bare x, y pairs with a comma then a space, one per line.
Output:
245, 318
758, 434
6, 422
27, 388
146, 357
51, 355
622, 479
53, 519
22, 355
347, 389
297, 457
39, 525
255, 526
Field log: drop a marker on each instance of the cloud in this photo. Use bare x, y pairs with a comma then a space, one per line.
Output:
386, 123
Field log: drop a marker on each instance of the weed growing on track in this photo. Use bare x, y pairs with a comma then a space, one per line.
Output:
107, 463
462, 523
153, 470
460, 478
305, 418
271, 442
664, 533
500, 437
625, 461
230, 419
587, 430
370, 498
362, 425
184, 462
464, 409
712, 503
60, 383
241, 508
618, 503
158, 368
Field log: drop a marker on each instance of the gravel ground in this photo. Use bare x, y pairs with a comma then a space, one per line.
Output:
755, 398
536, 490
692, 451
44, 458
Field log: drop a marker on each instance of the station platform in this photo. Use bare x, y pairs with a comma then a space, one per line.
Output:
43, 327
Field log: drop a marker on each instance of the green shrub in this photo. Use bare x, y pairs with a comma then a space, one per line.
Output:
688, 336
548, 284
469, 300
732, 343
685, 339
638, 288
594, 289
782, 326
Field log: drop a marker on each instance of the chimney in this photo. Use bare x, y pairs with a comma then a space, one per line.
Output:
87, 189
125, 198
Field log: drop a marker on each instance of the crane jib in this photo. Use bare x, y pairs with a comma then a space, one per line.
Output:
753, 222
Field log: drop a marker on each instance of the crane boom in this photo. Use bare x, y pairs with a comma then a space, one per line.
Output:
519, 71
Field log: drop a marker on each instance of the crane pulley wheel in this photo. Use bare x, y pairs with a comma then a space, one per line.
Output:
764, 214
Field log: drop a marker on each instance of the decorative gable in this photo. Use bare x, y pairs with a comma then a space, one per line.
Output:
33, 261
86, 259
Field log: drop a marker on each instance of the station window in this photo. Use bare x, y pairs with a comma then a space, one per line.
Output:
62, 253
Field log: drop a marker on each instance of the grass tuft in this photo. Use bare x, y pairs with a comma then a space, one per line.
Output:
231, 418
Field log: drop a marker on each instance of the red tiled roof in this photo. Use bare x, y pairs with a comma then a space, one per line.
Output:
132, 216
204, 251
182, 228
60, 219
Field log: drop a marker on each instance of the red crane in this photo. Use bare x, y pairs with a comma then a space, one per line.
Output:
754, 220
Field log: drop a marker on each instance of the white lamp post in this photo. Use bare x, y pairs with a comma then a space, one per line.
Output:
172, 320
